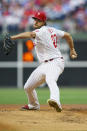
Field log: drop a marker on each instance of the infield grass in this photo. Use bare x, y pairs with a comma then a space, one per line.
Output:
67, 95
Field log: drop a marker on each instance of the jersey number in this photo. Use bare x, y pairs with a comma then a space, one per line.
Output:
54, 39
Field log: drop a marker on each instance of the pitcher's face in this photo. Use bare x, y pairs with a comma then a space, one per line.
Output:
38, 23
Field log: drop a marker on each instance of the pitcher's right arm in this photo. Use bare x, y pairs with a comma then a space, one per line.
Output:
24, 35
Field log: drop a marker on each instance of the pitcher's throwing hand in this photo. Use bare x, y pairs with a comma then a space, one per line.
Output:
73, 53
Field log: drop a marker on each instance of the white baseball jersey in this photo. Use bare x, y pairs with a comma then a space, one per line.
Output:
47, 43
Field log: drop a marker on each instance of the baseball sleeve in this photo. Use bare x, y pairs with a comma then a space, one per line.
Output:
59, 33
38, 33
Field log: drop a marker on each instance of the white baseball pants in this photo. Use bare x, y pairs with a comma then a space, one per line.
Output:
46, 72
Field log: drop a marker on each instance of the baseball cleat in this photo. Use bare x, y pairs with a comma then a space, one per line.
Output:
54, 104
26, 107
29, 107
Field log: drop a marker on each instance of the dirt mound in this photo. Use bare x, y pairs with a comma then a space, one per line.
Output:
72, 118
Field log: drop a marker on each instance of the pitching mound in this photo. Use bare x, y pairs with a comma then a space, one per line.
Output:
72, 118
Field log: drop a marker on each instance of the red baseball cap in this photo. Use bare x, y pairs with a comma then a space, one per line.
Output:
40, 15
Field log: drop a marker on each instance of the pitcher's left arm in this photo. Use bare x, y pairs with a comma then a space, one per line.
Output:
69, 40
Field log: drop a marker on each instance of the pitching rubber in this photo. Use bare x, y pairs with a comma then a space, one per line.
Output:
53, 104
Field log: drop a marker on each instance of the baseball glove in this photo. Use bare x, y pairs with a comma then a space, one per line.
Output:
8, 44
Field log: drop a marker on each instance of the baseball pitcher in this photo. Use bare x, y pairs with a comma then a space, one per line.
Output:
46, 41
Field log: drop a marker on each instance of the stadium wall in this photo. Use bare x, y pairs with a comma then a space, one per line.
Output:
75, 73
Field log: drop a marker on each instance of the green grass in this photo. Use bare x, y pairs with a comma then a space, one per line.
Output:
73, 95
67, 95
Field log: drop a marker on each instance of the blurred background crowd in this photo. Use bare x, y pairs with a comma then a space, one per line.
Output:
69, 15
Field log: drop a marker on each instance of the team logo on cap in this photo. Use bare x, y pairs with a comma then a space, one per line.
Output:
38, 13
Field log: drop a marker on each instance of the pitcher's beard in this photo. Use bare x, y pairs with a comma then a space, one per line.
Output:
37, 27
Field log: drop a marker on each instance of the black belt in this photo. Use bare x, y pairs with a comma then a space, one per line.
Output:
53, 59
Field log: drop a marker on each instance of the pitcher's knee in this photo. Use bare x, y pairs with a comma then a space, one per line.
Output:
27, 87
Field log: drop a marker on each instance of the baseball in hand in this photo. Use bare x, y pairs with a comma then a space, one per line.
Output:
73, 56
